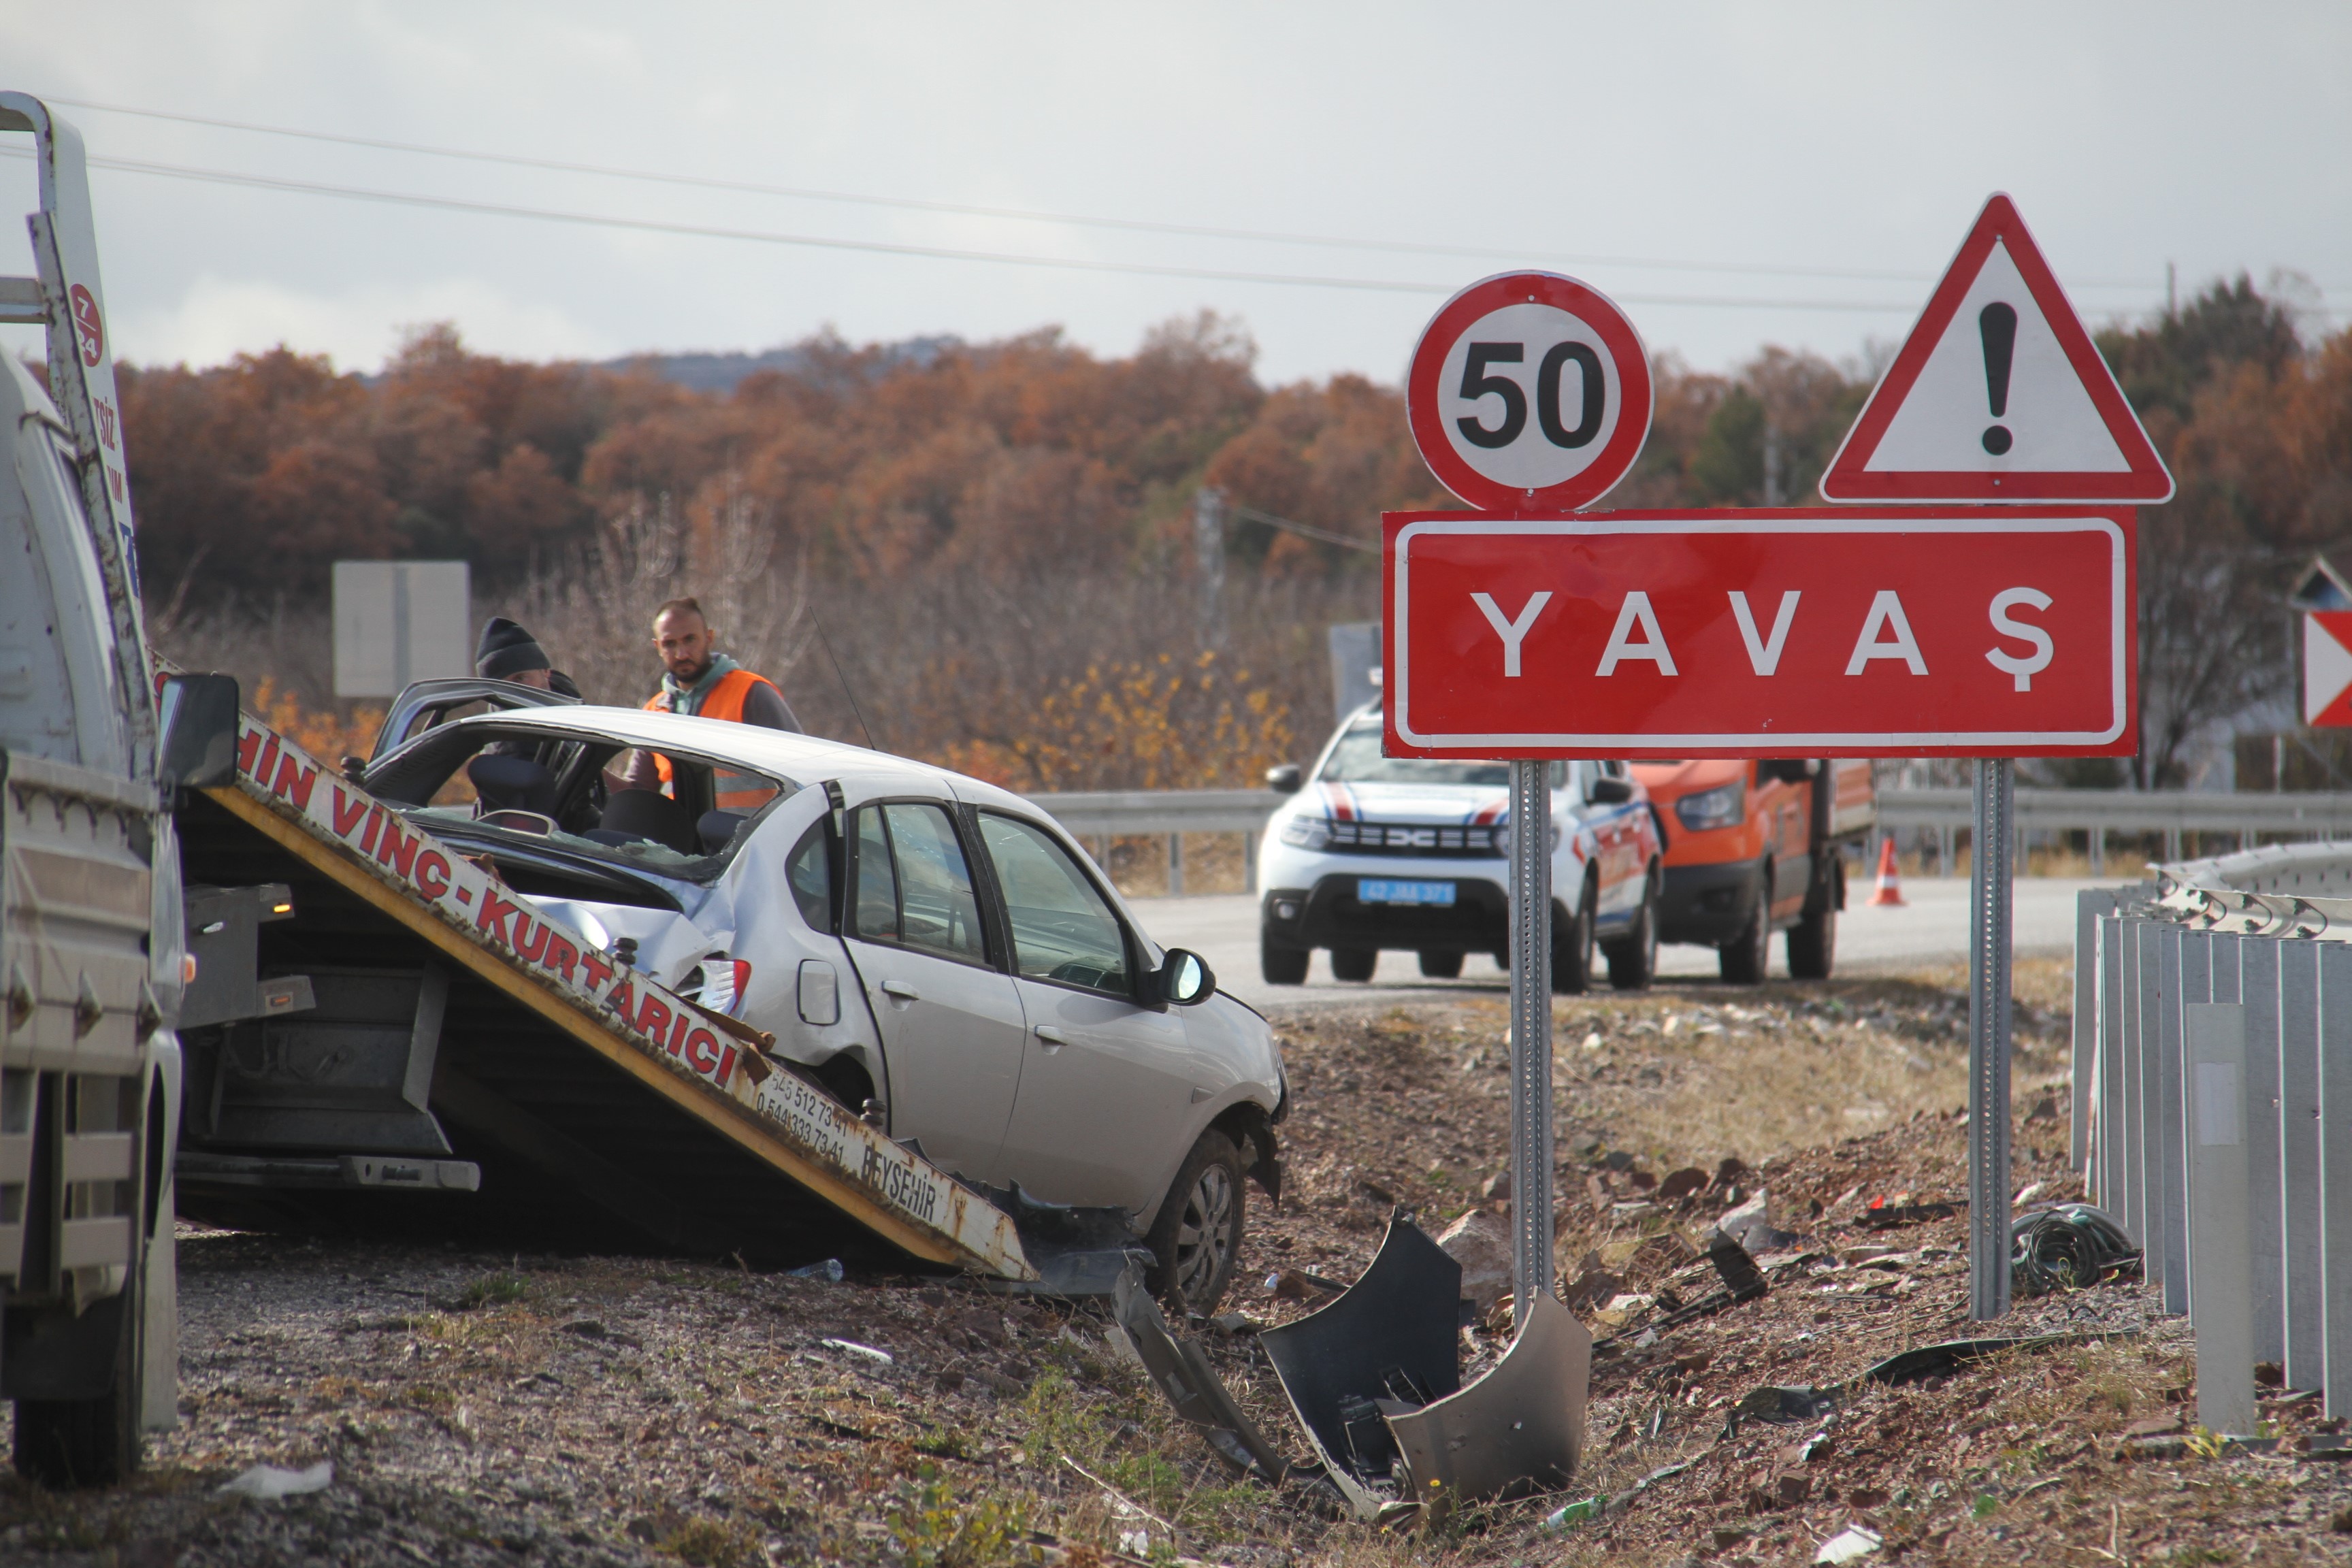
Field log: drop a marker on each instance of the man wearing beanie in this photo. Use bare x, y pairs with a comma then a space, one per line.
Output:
508, 652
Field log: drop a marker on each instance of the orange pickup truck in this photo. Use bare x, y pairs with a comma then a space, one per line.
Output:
1752, 848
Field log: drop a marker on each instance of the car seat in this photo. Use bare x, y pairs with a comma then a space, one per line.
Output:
635, 816
512, 784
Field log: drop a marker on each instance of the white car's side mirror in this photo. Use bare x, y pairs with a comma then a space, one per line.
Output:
1186, 978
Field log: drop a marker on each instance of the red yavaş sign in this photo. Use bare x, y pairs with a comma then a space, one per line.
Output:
1919, 631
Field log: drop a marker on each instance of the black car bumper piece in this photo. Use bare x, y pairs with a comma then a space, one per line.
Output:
1329, 915
1709, 905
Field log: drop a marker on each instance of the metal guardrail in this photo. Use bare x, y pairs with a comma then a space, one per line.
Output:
1124, 813
2208, 1078
1105, 815
2103, 812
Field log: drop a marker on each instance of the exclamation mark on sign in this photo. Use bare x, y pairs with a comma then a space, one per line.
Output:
1997, 323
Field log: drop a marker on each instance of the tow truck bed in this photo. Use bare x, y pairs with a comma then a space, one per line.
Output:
601, 1110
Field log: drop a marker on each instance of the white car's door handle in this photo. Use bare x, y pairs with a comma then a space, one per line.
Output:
901, 990
1053, 1038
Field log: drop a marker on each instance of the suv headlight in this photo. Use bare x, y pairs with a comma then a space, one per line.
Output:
1306, 832
1718, 807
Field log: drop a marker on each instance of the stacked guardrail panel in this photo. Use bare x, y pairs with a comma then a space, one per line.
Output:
2213, 1075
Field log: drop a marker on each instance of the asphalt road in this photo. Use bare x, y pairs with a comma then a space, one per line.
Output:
1931, 927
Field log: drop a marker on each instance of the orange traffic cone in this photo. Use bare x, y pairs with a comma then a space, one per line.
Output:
1890, 881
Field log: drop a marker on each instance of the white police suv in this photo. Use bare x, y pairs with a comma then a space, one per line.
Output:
1374, 852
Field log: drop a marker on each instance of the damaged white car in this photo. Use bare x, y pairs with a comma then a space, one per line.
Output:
932, 949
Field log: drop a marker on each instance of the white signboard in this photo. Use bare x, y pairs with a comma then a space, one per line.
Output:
399, 621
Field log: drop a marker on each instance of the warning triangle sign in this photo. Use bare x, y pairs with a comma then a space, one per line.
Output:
2327, 669
1999, 394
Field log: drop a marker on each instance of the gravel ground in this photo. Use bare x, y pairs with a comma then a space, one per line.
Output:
520, 1409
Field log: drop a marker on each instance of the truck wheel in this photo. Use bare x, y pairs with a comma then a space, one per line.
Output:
66, 1443
1571, 944
1198, 1235
1748, 957
1634, 957
1441, 965
1354, 962
1280, 961
1813, 945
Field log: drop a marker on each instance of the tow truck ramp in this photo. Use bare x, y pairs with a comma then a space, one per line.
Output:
427, 1027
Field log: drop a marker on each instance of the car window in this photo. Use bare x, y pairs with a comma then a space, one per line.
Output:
938, 911
877, 885
1062, 928
810, 872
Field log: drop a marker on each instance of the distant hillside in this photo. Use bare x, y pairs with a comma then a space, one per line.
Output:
720, 373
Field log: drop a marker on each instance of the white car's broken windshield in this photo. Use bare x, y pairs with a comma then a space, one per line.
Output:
571, 792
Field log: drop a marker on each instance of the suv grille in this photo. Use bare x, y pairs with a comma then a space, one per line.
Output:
1417, 838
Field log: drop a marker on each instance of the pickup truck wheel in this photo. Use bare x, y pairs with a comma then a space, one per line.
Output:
66, 1443
1572, 944
1746, 957
1441, 965
1198, 1235
1812, 944
1354, 962
1634, 957
1280, 961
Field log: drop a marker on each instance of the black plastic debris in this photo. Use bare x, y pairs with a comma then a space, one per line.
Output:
1518, 1429
1737, 1268
2068, 1246
1385, 1347
1942, 1359
1781, 1406
1888, 1216
1184, 1376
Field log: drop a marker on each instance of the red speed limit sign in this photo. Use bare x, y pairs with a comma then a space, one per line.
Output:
1958, 631
1529, 392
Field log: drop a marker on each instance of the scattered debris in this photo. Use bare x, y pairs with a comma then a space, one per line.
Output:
882, 1358
2068, 1248
1785, 1406
1391, 1338
268, 1483
1882, 1215
1941, 1360
1847, 1544
1519, 1429
829, 1271
1184, 1376
1586, 1510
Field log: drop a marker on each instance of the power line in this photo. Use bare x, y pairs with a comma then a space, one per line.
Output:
1022, 214
885, 247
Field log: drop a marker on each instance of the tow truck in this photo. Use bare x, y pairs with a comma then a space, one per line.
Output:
93, 964
377, 1030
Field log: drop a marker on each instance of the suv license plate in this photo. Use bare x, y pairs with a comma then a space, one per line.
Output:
1375, 890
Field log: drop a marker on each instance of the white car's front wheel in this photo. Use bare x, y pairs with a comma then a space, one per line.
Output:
1197, 1238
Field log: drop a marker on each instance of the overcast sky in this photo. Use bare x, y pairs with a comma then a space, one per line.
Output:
1762, 148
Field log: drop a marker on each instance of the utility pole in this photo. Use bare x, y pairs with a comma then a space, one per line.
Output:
1773, 495
1209, 557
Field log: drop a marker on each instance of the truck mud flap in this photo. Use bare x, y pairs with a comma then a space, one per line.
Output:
601, 1110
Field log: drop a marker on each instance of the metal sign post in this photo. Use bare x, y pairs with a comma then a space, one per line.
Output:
1993, 857
1531, 1152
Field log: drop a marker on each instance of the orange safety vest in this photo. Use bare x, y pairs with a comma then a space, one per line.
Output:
725, 701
